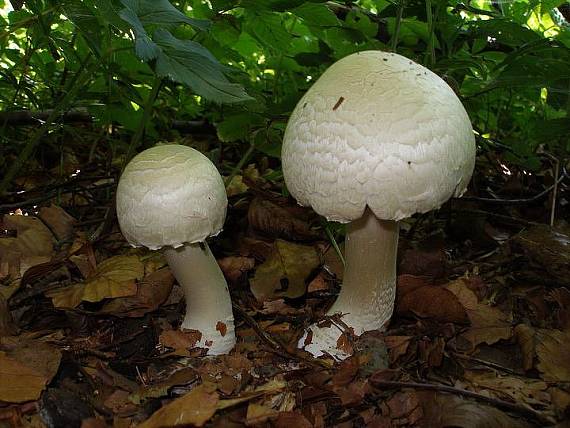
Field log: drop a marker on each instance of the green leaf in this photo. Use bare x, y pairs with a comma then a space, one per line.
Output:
318, 15
145, 48
267, 29
238, 126
162, 13
188, 62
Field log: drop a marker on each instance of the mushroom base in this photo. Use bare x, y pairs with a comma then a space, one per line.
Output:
366, 299
208, 303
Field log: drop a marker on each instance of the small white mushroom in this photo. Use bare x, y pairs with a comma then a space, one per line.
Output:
172, 197
376, 139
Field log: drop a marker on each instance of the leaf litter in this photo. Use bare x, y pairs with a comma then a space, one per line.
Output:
477, 338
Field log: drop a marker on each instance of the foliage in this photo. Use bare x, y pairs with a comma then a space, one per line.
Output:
137, 64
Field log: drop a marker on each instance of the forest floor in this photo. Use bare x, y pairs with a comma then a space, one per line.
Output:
480, 335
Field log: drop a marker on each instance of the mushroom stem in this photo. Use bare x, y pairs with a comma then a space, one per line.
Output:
208, 304
366, 299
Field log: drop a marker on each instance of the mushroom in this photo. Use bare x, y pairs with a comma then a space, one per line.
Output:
376, 139
172, 197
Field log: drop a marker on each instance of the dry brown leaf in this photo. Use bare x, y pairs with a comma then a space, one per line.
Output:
32, 245
525, 338
258, 413
152, 291
291, 419
234, 267
445, 410
429, 263
488, 324
553, 351
115, 277
528, 391
160, 389
194, 408
180, 341
284, 272
280, 222
25, 369
430, 301
58, 221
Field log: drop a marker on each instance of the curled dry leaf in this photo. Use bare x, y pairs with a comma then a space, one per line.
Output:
26, 368
284, 272
194, 408
115, 277
58, 221
488, 324
152, 291
417, 297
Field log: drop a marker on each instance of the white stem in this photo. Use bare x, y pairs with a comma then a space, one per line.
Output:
366, 299
369, 282
208, 303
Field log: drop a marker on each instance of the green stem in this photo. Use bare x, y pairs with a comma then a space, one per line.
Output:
431, 29
147, 112
334, 244
77, 84
239, 165
401, 6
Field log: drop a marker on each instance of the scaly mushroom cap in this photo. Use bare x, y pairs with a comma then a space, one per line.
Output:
170, 195
377, 130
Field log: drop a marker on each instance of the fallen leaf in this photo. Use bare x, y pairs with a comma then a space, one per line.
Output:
549, 247
152, 291
59, 222
279, 222
488, 324
428, 263
403, 404
115, 277
284, 272
235, 267
553, 351
291, 419
32, 245
26, 367
445, 410
529, 391
258, 413
180, 341
430, 301
194, 408
159, 389
524, 336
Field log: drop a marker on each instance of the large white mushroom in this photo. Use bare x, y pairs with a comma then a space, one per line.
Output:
376, 139
172, 197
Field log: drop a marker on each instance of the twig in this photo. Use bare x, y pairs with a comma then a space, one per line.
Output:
522, 200
489, 364
506, 218
275, 346
514, 407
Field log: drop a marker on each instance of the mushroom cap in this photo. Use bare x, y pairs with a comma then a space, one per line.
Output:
377, 130
170, 195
